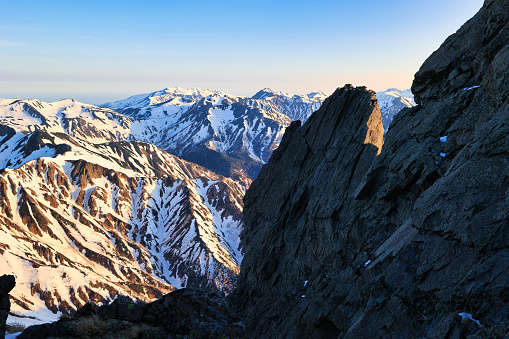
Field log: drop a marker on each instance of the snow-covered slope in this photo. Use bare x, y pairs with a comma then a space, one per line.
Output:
391, 102
296, 107
229, 134
217, 124
84, 221
66, 116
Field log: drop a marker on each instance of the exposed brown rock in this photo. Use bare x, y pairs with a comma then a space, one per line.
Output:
100, 218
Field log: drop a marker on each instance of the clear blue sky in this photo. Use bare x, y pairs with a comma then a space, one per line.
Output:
98, 51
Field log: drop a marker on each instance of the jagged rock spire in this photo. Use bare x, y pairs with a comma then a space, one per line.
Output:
340, 242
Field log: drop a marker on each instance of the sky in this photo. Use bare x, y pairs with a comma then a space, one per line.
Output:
100, 51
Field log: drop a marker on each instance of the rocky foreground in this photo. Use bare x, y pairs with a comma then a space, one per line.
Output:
407, 240
185, 313
7, 283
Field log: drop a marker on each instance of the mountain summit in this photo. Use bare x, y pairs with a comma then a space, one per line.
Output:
231, 135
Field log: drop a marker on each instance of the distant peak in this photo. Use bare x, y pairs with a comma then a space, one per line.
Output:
194, 92
269, 93
317, 94
264, 93
268, 90
406, 92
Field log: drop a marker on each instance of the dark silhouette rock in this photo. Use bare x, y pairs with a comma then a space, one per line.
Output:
413, 242
185, 313
7, 283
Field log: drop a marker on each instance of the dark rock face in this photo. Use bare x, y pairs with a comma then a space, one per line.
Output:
475, 55
7, 283
185, 313
342, 242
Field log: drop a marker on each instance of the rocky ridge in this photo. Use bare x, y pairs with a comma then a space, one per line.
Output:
411, 241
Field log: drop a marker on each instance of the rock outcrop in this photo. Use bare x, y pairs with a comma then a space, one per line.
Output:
7, 283
186, 313
341, 241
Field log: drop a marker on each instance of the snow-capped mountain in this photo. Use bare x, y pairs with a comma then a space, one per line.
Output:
94, 201
297, 107
391, 102
65, 116
85, 215
175, 96
225, 133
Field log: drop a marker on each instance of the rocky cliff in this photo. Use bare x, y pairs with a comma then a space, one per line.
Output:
346, 238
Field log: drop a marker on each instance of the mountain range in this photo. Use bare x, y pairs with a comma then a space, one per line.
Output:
100, 201
230, 135
354, 228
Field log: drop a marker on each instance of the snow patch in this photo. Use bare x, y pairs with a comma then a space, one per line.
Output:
464, 316
469, 88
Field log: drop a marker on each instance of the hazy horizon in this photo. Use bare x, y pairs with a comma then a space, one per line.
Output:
97, 52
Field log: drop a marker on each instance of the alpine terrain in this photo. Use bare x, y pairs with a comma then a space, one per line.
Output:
97, 202
352, 234
86, 216
228, 134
